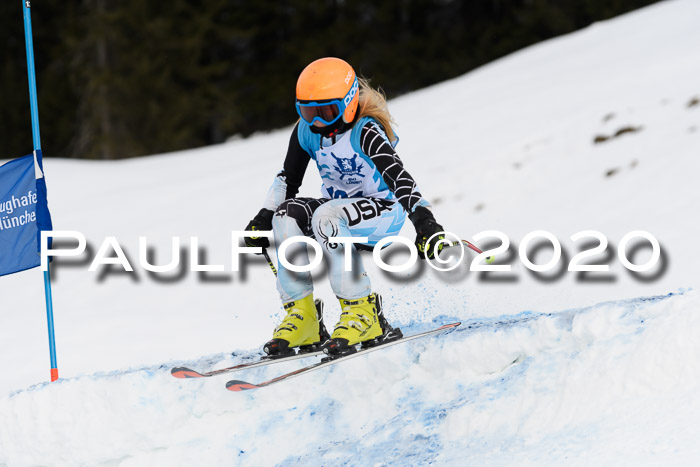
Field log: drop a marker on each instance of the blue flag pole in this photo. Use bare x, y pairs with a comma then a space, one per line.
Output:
37, 151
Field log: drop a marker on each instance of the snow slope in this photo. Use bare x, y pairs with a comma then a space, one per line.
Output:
611, 379
614, 383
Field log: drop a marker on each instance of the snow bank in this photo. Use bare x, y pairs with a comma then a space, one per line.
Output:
612, 383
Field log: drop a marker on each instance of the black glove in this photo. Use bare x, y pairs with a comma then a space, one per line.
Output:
426, 226
262, 221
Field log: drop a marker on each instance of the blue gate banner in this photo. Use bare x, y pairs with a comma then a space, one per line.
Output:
24, 213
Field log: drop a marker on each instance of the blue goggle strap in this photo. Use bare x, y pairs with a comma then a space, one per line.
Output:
336, 102
342, 105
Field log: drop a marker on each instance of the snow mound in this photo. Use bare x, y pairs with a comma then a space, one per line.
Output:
589, 384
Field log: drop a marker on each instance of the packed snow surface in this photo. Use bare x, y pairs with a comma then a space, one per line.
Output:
574, 385
551, 368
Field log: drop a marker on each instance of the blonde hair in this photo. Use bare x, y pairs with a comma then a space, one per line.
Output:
373, 104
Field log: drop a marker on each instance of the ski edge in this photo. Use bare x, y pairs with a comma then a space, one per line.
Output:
182, 372
238, 385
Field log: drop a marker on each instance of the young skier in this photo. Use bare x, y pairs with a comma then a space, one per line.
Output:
345, 128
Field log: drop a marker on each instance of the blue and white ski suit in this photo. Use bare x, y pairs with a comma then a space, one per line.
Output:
366, 192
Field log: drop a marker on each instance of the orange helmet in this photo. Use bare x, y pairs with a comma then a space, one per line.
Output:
326, 90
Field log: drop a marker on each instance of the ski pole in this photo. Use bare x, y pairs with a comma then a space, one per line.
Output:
489, 259
269, 261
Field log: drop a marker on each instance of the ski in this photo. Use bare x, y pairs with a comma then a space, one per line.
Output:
236, 385
184, 372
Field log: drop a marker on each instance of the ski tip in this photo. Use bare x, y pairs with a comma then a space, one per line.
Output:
237, 386
183, 372
451, 325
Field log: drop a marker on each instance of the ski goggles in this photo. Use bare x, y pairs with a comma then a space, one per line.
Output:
326, 111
